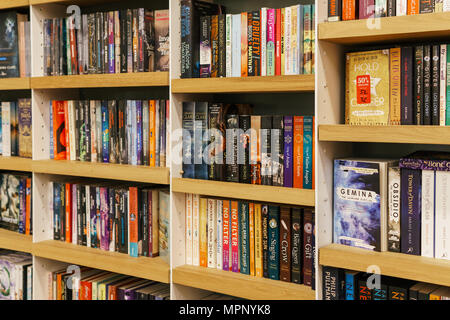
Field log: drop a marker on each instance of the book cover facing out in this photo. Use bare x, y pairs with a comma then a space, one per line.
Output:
9, 53
357, 204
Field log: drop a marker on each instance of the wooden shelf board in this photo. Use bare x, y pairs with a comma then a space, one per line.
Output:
143, 267
391, 264
294, 83
386, 134
16, 164
401, 28
284, 195
139, 79
77, 2
15, 241
15, 83
240, 285
124, 172
8, 4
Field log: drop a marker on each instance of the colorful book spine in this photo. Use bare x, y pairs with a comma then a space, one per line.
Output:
435, 84
189, 228
203, 237
244, 44
265, 239
104, 219
228, 46
271, 41
133, 221
226, 235
274, 242
394, 209
334, 10
308, 131
251, 230
212, 232
256, 42
395, 86
298, 152
447, 111
205, 47
219, 242
243, 227
278, 36
442, 84
264, 28
196, 230
105, 132
285, 244
258, 240
288, 151
234, 236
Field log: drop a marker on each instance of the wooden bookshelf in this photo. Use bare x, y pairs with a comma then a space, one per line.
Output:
15, 83
70, 2
124, 172
8, 4
390, 29
391, 264
142, 267
16, 164
240, 285
294, 83
386, 134
138, 79
15, 241
293, 196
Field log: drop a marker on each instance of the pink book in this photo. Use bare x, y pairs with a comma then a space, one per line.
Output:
270, 42
104, 219
112, 44
366, 9
226, 235
74, 214
234, 237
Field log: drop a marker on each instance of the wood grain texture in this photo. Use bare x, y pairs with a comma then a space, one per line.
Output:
294, 83
386, 134
15, 83
391, 264
141, 267
15, 241
139, 79
70, 2
240, 285
124, 172
8, 4
412, 27
16, 164
283, 195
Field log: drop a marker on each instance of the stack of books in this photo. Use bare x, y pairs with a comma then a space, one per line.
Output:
16, 129
16, 275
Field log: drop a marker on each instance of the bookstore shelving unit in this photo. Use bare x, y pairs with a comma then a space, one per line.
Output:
15, 241
16, 164
15, 84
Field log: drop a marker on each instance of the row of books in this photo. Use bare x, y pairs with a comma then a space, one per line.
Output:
225, 143
16, 202
128, 219
257, 239
93, 284
340, 284
363, 9
16, 128
15, 51
132, 132
392, 205
407, 85
121, 41
16, 273
265, 42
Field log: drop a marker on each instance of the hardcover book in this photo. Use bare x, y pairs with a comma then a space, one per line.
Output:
394, 210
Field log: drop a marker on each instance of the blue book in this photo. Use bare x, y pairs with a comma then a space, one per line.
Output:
56, 210
236, 45
307, 151
200, 140
288, 149
105, 132
351, 285
244, 239
52, 156
138, 132
274, 243
188, 140
410, 211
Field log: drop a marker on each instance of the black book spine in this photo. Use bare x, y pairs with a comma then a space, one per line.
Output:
407, 95
214, 110
330, 290
244, 150
418, 84
117, 220
435, 94
99, 37
296, 241
222, 45
105, 43
187, 38
391, 8
123, 41
277, 143
232, 167
265, 239
84, 209
364, 292
149, 48
266, 151
87, 128
256, 43
397, 292
79, 213
77, 128
426, 118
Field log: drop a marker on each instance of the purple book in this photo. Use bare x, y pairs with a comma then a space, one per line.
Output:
22, 205
93, 216
139, 131
74, 214
410, 209
288, 140
104, 218
111, 43
426, 160
366, 9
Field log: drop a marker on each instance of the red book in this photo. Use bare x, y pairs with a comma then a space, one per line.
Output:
66, 121
234, 237
68, 207
298, 152
133, 222
59, 132
28, 207
278, 43
73, 48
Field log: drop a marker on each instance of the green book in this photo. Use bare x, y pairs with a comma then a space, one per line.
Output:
244, 243
274, 243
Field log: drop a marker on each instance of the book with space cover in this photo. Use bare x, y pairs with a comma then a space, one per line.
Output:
360, 202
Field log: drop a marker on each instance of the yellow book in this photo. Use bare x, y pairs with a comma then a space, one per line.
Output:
251, 224
294, 43
395, 88
203, 233
367, 88
258, 241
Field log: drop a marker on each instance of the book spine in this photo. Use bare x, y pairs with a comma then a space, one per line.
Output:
394, 210
244, 44
189, 228
407, 94
329, 287
76, 217
196, 230
265, 239
104, 219
395, 86
236, 45
266, 151
428, 212
278, 45
232, 143
212, 233
426, 6
258, 240
427, 79
226, 235
264, 16
296, 245
87, 130
68, 213
435, 83
274, 242
401, 7
244, 149
25, 126
277, 143
228, 45
366, 9
442, 83
205, 47
256, 42
447, 111
243, 227
380, 8
28, 217
307, 247
105, 132
188, 139
298, 152
186, 45
442, 221
139, 139
294, 62
234, 236
222, 45
287, 41
307, 151
133, 221
203, 232
410, 211
250, 70
214, 42
285, 244
251, 234
117, 37
219, 230
288, 152
348, 10
391, 7
271, 42
419, 84
307, 39
255, 149
334, 10
200, 140
22, 204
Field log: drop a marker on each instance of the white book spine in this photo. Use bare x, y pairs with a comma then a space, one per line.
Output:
427, 232
394, 210
442, 216
219, 234
236, 45
263, 41
443, 85
401, 7
287, 41
30, 283
189, 228
88, 216
438, 5
212, 233
195, 230
6, 129
446, 5
294, 40
228, 27
17, 276
92, 110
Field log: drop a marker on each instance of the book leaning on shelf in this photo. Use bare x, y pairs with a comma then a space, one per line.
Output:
16, 128
120, 218
340, 284
16, 273
121, 41
132, 132
264, 42
257, 239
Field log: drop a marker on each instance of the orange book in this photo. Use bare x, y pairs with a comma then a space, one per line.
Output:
413, 7
66, 131
68, 207
226, 235
133, 221
152, 132
28, 207
59, 133
348, 9
244, 45
203, 233
251, 224
258, 241
234, 261
298, 152
314, 155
